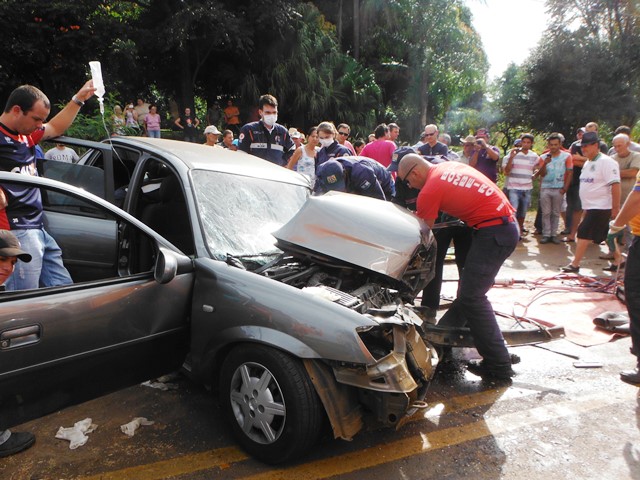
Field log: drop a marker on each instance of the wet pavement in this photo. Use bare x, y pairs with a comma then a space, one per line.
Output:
553, 420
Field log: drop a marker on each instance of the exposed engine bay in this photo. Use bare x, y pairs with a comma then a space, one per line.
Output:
393, 385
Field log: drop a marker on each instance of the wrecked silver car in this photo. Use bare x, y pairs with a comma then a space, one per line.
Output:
295, 309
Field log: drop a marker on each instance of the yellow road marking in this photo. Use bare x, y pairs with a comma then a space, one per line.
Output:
425, 442
373, 456
223, 457
220, 458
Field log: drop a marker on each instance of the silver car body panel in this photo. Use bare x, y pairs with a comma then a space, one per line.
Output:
231, 305
369, 233
202, 157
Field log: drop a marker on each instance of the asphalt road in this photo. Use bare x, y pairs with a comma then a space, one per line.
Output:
555, 420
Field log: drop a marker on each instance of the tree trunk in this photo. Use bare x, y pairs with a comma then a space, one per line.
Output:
356, 29
340, 22
424, 97
186, 82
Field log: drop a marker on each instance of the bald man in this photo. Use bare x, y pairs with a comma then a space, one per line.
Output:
465, 193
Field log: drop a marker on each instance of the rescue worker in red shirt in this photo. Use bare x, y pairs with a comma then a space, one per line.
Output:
463, 192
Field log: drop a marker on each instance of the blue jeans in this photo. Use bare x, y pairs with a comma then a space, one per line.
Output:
153, 133
520, 199
490, 247
632, 294
45, 268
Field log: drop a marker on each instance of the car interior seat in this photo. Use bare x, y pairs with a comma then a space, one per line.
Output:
169, 216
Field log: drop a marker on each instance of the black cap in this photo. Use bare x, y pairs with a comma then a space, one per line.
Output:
397, 156
10, 246
330, 176
589, 137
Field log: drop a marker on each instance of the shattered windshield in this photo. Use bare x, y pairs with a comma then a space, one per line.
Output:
238, 214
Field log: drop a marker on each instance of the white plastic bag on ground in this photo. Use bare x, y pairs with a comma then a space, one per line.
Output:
76, 435
131, 427
160, 385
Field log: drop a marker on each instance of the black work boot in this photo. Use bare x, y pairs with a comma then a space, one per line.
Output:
631, 376
489, 372
17, 442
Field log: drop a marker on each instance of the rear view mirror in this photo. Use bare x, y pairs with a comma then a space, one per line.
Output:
166, 266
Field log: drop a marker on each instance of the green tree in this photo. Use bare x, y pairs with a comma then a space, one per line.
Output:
50, 43
425, 54
510, 104
309, 75
590, 73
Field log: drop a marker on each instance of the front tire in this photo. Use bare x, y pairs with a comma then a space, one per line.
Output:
274, 411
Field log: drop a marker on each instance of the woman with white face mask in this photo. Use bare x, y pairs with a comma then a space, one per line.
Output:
303, 159
330, 147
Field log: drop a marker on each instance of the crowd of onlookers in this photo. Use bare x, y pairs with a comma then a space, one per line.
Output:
583, 183
556, 172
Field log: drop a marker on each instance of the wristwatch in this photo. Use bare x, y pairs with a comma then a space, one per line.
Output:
77, 101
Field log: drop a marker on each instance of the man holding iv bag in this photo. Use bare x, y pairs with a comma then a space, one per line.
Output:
22, 127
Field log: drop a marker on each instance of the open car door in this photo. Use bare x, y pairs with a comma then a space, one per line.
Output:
124, 319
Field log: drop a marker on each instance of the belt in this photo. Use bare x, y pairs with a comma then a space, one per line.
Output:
492, 222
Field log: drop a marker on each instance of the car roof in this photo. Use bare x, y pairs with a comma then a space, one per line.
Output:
203, 157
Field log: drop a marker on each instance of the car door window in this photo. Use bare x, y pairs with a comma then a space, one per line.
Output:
95, 243
104, 169
159, 201
88, 178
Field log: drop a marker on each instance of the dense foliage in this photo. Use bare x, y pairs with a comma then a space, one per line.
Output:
183, 50
355, 61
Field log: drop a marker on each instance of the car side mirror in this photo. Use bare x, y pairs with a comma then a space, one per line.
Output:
166, 266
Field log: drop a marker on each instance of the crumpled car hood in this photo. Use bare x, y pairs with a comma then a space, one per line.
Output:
362, 231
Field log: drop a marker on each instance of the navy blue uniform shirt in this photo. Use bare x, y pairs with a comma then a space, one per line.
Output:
275, 146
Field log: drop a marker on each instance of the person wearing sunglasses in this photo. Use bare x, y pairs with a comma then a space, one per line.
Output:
344, 131
432, 146
461, 191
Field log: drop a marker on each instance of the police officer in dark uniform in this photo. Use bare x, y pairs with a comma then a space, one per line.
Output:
266, 138
358, 175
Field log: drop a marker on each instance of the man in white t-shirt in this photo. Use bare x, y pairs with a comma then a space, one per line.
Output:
600, 197
520, 167
62, 153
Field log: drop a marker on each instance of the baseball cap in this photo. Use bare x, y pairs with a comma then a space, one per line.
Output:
294, 133
212, 129
397, 156
469, 139
517, 142
10, 246
589, 137
330, 176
